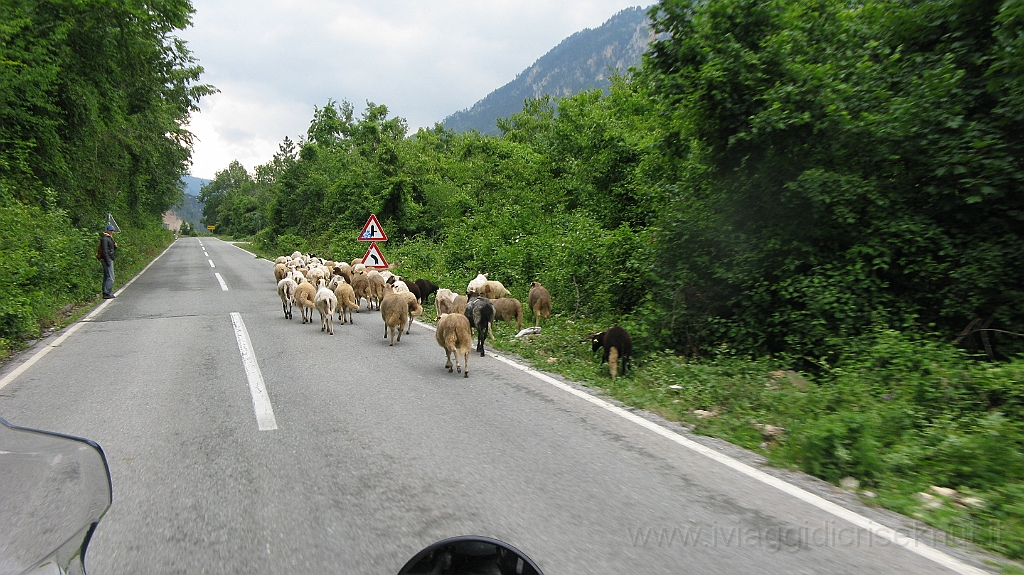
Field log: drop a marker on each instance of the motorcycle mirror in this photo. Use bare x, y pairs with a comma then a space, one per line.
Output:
470, 555
56, 489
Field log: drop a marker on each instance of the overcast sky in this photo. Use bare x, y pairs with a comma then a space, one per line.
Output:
273, 61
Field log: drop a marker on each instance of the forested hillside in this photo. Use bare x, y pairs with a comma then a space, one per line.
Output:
93, 100
585, 60
831, 188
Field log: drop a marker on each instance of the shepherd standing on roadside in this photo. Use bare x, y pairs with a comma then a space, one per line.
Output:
108, 247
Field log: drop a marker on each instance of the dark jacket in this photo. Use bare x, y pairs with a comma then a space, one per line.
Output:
108, 248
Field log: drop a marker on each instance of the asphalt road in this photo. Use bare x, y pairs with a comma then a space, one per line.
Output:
378, 451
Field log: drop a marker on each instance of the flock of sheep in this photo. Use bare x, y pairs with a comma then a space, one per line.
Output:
329, 287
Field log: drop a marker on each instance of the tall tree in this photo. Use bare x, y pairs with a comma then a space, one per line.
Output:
95, 98
859, 162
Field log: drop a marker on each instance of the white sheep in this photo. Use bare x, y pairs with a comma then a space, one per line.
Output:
475, 284
286, 291
443, 300
326, 303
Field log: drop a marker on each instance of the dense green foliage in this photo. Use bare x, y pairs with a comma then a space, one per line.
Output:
830, 187
863, 164
94, 97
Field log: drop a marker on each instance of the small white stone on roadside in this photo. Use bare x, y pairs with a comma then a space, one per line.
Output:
849, 484
943, 491
930, 501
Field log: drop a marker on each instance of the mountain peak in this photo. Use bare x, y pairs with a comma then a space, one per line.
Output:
582, 61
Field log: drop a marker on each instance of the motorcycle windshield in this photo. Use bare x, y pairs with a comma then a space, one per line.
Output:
55, 488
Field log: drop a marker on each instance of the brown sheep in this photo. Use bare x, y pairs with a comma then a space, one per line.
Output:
346, 301
454, 335
305, 298
493, 290
361, 287
395, 311
459, 304
539, 302
508, 309
415, 309
376, 289
344, 270
280, 271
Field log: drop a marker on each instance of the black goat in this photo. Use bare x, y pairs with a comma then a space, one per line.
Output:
617, 344
480, 312
427, 287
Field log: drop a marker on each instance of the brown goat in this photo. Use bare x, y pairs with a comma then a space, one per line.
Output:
539, 302
617, 344
508, 309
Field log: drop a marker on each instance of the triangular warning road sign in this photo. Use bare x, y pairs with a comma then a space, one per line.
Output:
373, 258
372, 232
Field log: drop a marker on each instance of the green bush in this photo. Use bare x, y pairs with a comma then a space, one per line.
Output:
46, 263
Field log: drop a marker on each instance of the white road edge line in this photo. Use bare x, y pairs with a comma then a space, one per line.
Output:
211, 263
223, 286
260, 400
246, 251
877, 529
39, 354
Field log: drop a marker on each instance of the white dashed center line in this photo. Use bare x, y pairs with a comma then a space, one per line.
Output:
260, 400
211, 263
223, 286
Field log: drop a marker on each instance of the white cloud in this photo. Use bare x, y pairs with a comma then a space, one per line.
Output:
273, 61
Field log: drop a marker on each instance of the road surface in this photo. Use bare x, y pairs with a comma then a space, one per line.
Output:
301, 452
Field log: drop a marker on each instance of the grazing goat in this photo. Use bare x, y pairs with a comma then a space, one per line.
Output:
492, 290
480, 313
455, 336
508, 309
616, 343
539, 302
427, 287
